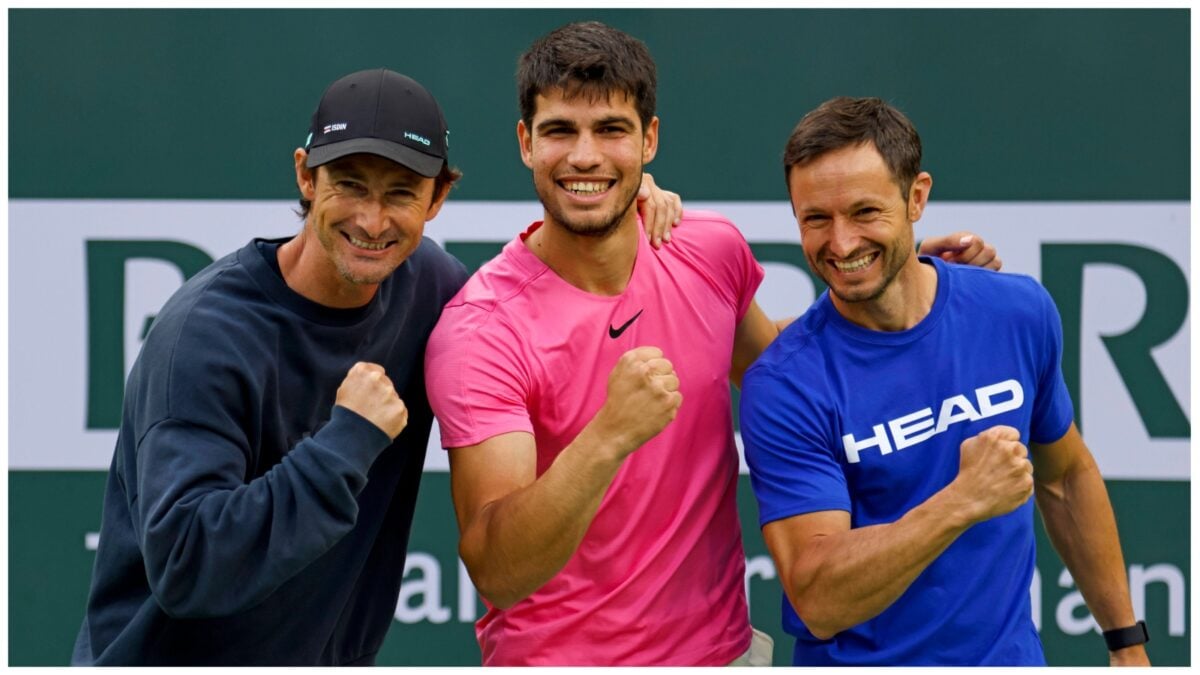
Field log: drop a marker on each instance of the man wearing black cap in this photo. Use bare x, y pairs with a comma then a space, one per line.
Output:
262, 488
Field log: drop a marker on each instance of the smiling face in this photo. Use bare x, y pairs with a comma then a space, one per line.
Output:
587, 156
368, 214
855, 223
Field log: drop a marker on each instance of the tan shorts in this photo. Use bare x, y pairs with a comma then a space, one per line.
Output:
760, 653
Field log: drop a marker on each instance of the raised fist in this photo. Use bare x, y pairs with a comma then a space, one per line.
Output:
994, 472
368, 391
643, 397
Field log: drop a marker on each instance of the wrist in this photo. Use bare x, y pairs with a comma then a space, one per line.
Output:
958, 511
605, 444
1122, 638
1129, 656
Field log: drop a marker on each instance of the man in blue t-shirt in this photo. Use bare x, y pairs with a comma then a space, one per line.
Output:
887, 430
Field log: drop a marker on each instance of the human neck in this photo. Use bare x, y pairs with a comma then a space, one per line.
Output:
903, 304
598, 265
307, 270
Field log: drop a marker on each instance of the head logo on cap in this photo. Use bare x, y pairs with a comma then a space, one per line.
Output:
419, 139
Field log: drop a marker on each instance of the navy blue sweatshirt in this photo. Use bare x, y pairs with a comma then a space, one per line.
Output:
246, 520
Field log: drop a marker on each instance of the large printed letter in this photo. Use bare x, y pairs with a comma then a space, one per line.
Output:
1166, 309
879, 440
106, 316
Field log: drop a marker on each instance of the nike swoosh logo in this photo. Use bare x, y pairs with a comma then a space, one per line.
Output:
616, 332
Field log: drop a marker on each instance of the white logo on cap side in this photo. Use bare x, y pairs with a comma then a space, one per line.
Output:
340, 126
420, 139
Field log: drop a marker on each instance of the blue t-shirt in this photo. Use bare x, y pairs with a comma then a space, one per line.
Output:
838, 417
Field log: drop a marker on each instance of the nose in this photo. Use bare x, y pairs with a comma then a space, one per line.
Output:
585, 154
373, 218
843, 238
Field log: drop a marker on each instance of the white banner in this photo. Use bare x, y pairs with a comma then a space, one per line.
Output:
50, 302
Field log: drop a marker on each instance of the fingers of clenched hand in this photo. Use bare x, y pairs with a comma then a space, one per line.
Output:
661, 210
368, 391
996, 471
645, 366
643, 395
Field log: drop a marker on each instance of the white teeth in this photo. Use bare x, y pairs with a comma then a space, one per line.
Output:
370, 246
586, 187
854, 265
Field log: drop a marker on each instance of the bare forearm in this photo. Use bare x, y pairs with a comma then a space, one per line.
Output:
520, 542
1079, 521
853, 576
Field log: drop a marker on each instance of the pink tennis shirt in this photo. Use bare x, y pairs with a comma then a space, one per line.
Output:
658, 578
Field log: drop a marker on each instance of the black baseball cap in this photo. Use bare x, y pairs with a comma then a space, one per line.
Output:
379, 112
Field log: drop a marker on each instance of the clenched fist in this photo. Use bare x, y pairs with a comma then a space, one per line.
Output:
643, 397
995, 475
368, 391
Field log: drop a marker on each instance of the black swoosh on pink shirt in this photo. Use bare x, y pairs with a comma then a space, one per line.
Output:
616, 332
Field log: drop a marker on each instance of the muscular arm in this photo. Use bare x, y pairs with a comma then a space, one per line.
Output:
517, 529
518, 532
837, 577
1079, 521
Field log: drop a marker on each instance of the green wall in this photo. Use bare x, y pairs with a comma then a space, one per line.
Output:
1012, 104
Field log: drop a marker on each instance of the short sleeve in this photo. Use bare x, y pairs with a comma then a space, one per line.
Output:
1053, 411
477, 382
729, 259
787, 438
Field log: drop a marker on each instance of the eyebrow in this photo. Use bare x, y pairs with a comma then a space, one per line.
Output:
565, 122
554, 122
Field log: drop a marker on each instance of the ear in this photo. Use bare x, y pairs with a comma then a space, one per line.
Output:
305, 177
439, 198
918, 195
650, 141
525, 140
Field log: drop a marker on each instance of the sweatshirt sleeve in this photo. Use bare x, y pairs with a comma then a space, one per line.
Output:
214, 544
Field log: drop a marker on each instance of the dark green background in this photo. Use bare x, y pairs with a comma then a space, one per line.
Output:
1013, 105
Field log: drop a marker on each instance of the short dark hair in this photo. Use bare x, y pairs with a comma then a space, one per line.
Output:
588, 59
843, 121
446, 179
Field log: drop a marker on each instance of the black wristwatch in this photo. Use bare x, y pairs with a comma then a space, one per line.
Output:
1120, 638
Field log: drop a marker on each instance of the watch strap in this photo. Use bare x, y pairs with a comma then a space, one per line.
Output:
1120, 638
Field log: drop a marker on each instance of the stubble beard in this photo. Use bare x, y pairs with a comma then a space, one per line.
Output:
598, 231
328, 239
892, 260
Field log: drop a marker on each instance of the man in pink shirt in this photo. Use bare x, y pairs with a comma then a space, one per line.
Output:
580, 380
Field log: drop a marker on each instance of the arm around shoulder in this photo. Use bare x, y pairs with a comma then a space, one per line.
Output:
754, 333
